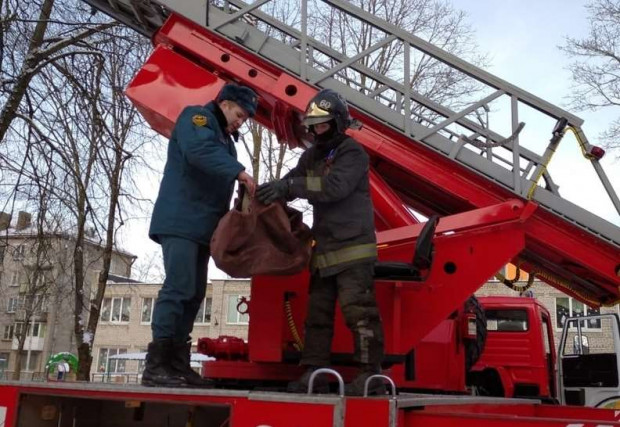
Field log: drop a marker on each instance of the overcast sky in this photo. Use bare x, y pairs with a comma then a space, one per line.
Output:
521, 38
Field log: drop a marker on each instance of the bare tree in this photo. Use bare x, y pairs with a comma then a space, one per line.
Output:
596, 72
149, 268
121, 135
34, 35
103, 136
269, 158
433, 20
75, 123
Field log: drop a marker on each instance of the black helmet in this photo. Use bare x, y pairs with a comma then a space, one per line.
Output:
325, 106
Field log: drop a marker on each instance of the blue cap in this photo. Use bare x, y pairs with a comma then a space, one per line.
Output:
245, 97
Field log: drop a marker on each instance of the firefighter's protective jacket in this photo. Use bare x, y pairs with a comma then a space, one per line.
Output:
198, 178
335, 182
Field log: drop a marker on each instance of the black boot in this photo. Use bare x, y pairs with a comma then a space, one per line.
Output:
157, 371
375, 387
180, 362
320, 384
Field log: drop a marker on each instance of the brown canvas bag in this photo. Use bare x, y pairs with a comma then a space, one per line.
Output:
254, 239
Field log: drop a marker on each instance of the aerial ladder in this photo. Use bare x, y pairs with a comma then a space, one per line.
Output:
494, 195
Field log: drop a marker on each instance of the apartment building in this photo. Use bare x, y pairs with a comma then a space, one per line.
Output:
36, 283
125, 322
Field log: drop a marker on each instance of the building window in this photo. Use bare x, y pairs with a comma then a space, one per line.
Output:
147, 310
15, 278
13, 304
4, 360
142, 362
35, 330
33, 362
39, 280
115, 310
113, 266
19, 253
9, 331
34, 304
39, 304
18, 330
233, 317
566, 307
2, 252
204, 314
114, 365
38, 330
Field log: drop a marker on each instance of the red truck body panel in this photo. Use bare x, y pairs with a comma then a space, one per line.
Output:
103, 405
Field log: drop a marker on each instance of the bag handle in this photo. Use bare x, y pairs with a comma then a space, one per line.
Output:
244, 202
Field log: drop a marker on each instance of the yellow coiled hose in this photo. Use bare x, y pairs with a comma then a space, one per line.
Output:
298, 344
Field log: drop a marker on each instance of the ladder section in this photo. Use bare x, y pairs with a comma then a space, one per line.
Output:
481, 131
427, 153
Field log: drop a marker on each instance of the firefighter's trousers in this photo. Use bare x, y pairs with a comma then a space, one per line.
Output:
354, 289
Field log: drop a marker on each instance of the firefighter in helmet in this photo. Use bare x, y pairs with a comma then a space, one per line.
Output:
333, 176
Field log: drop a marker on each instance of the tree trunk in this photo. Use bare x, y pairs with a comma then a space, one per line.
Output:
9, 110
84, 357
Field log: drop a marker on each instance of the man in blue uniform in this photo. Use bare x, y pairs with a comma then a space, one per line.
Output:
195, 192
333, 176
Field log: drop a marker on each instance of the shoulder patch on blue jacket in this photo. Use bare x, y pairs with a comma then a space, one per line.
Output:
199, 120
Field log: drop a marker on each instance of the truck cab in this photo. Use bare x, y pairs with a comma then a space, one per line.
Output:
589, 366
519, 355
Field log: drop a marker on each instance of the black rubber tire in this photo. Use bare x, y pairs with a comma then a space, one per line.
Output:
474, 348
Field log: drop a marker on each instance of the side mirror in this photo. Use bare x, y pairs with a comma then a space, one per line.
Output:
581, 346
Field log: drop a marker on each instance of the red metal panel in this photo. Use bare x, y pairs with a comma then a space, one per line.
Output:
251, 413
527, 413
423, 419
244, 370
439, 362
390, 212
166, 84
469, 248
245, 411
269, 333
367, 412
9, 397
282, 410
82, 390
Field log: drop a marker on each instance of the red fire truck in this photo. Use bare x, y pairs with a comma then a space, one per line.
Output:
491, 200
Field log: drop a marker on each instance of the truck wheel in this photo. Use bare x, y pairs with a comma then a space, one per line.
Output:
473, 348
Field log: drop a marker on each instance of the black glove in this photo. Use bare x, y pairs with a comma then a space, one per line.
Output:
272, 191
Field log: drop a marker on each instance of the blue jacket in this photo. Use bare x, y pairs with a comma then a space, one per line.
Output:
199, 176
